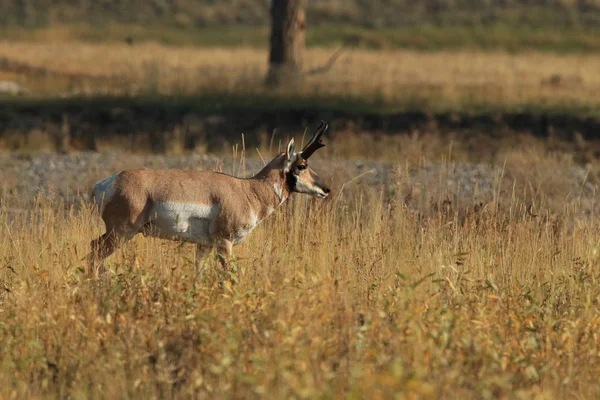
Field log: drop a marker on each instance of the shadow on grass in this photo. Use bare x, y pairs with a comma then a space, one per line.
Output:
221, 118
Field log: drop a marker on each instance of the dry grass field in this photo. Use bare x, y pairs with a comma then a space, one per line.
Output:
463, 265
359, 296
394, 79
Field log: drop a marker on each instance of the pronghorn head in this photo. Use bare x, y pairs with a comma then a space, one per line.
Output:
299, 176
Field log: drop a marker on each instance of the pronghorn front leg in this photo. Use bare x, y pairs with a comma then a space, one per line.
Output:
201, 253
224, 251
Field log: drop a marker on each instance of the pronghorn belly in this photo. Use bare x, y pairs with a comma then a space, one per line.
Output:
187, 222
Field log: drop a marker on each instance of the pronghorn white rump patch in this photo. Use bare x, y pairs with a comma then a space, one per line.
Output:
189, 222
279, 192
104, 191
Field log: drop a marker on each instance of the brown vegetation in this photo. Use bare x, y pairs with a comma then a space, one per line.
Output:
464, 266
362, 295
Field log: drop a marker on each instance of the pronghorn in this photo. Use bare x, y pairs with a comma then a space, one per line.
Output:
210, 209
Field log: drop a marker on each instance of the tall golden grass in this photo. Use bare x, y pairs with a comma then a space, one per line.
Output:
440, 80
356, 297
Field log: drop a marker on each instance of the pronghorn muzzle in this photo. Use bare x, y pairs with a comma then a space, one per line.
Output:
320, 189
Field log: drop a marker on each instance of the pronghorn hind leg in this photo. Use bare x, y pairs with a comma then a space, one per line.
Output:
224, 251
102, 248
123, 219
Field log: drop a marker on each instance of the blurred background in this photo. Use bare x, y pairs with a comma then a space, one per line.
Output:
192, 76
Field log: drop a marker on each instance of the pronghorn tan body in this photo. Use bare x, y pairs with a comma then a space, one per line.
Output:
210, 209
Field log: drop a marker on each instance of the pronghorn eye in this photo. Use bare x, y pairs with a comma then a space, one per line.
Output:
301, 167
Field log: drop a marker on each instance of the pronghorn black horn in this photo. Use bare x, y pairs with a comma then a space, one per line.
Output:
315, 142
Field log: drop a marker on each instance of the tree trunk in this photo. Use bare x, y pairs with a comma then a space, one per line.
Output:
287, 42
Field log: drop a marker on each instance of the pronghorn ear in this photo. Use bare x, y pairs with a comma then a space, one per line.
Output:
290, 149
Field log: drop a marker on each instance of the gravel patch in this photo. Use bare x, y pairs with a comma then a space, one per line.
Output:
71, 175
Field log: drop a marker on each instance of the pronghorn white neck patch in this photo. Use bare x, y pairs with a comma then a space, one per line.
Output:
279, 193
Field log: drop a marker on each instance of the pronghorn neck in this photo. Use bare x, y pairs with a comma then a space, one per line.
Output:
274, 182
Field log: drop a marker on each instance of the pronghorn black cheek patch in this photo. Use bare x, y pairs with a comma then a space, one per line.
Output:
291, 181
